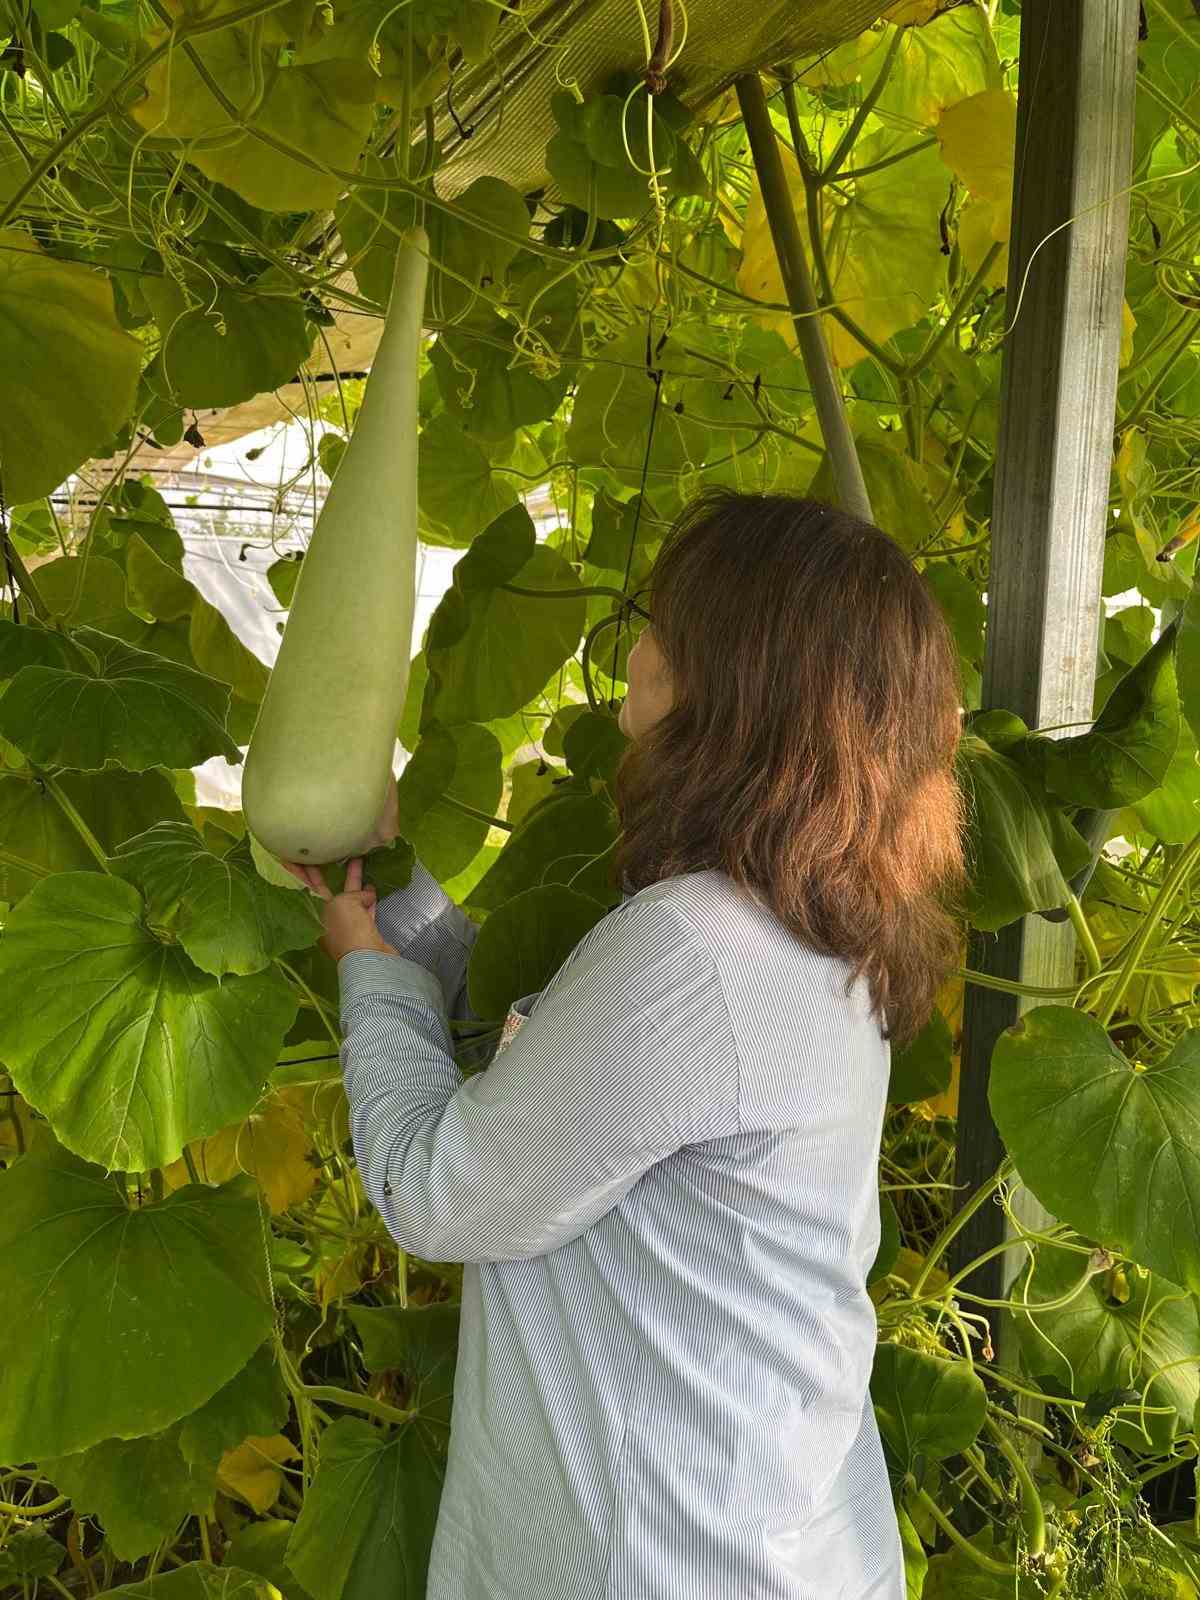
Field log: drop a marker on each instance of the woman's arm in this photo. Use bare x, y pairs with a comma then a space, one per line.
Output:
428, 928
628, 1055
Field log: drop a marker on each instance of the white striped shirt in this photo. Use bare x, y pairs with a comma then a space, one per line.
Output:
665, 1193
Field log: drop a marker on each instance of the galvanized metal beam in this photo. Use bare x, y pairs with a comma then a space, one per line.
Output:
1054, 458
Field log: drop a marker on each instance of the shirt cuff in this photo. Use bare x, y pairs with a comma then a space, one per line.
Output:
363, 972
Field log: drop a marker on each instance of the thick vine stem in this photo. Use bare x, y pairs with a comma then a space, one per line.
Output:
1033, 1513
785, 234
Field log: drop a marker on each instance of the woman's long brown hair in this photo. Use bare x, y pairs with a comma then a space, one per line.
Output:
809, 750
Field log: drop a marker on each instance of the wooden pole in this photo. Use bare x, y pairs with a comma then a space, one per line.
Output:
793, 266
1054, 459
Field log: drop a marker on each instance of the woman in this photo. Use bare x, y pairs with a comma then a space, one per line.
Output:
664, 1190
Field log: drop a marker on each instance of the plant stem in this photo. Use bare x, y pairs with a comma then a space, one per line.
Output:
1000, 1568
1033, 1515
73, 817
960, 308
1171, 883
1084, 934
846, 143
356, 1402
960, 1220
789, 252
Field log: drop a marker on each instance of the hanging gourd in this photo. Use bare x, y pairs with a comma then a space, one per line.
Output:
320, 756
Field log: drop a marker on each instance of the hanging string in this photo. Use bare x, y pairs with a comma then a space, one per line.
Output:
655, 374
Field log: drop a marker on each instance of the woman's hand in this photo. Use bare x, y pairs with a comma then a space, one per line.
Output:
349, 916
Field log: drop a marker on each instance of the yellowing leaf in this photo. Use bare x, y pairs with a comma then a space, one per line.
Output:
70, 369
952, 56
977, 138
272, 1145
1128, 327
882, 246
251, 1471
912, 11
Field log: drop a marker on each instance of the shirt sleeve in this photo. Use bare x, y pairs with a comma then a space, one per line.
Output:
426, 926
627, 1056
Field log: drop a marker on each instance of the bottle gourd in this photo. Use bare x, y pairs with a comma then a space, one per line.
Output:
320, 756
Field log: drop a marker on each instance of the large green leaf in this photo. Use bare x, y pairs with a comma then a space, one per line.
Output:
1128, 749
619, 527
463, 258
368, 1519
610, 417
459, 493
954, 1575
1114, 1333
924, 1068
925, 1406
1172, 811
226, 346
1187, 660
489, 651
594, 746
141, 1313
580, 822
420, 1343
484, 386
532, 781
1021, 852
70, 371
460, 763
138, 1489
894, 485
524, 942
261, 1546
254, 1401
1110, 1145
198, 1580
218, 906
35, 829
321, 112
135, 710
127, 1047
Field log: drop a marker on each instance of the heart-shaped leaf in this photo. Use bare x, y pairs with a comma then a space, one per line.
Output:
115, 1036
1110, 1145
926, 1406
70, 370
1100, 1340
136, 711
368, 1519
144, 1313
222, 912
523, 943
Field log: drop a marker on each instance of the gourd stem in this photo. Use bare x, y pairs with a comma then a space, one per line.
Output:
785, 235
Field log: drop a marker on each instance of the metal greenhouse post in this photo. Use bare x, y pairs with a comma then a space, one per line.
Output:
1054, 457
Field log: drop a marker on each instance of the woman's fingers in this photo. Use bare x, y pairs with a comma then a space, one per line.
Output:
315, 879
354, 872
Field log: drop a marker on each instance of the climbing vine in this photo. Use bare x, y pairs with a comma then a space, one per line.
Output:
199, 205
